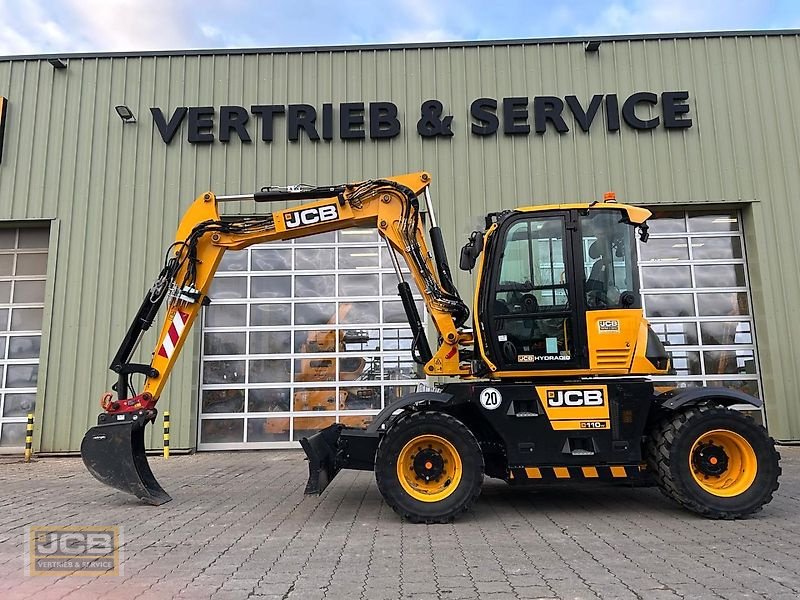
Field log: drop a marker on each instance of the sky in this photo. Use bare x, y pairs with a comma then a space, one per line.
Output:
49, 26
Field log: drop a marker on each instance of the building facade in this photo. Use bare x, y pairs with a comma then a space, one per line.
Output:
698, 127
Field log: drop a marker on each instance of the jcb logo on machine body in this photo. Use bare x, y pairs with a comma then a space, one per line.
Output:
575, 406
311, 216
582, 397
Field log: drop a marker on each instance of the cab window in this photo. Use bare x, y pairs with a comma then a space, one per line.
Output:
608, 260
531, 303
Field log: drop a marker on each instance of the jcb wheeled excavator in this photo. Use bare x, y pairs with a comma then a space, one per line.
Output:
550, 383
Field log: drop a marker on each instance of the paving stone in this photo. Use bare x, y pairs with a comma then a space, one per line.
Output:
239, 525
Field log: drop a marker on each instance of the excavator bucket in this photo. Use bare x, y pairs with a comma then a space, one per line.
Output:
114, 453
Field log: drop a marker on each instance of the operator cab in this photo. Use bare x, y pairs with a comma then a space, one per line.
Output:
559, 287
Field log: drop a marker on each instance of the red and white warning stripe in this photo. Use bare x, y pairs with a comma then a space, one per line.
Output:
173, 334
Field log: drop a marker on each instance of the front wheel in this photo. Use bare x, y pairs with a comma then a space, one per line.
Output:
429, 467
714, 461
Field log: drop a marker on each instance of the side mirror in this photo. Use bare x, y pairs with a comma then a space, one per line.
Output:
471, 251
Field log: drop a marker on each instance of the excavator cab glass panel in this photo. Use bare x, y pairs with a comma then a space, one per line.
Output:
609, 261
531, 299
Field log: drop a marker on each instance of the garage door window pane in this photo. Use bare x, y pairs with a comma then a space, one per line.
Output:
730, 362
271, 287
669, 305
269, 342
716, 248
18, 405
704, 222
233, 261
27, 292
12, 435
664, 249
719, 276
226, 315
33, 238
315, 286
271, 260
316, 313
26, 319
314, 259
723, 304
224, 343
676, 334
268, 400
358, 285
362, 312
317, 399
666, 277
270, 315
24, 346
724, 333
31, 264
269, 371
22, 376
223, 401
226, 288
224, 371
275, 429
217, 431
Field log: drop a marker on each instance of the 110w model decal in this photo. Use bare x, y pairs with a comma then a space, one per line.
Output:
311, 216
575, 407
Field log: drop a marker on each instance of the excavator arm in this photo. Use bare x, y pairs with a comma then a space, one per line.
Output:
114, 451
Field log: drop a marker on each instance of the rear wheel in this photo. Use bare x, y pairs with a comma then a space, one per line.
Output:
429, 467
714, 461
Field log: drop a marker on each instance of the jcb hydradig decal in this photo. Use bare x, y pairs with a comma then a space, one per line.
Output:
575, 406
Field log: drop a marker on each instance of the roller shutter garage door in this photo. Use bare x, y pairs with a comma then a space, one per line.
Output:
301, 335
696, 294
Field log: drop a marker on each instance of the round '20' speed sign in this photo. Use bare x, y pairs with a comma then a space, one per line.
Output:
490, 398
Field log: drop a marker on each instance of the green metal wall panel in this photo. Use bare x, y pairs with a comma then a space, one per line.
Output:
117, 191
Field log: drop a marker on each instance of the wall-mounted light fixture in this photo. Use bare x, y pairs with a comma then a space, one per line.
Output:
592, 46
125, 113
57, 63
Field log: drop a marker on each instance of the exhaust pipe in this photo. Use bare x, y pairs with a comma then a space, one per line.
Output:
114, 453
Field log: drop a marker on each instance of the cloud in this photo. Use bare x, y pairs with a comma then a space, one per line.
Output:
28, 29
53, 26
124, 25
648, 16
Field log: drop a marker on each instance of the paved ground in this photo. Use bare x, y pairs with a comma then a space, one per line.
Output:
240, 527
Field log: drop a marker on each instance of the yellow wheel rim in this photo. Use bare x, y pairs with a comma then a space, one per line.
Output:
723, 463
429, 468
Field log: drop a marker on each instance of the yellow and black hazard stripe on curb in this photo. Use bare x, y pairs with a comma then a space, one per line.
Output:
599, 473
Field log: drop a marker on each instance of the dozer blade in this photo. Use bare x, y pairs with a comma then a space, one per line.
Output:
114, 453
320, 450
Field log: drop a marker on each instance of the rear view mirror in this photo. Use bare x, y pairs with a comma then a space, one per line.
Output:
471, 251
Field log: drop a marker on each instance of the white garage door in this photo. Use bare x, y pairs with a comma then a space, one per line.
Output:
301, 335
697, 297
23, 270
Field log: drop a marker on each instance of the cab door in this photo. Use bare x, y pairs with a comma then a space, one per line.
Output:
531, 299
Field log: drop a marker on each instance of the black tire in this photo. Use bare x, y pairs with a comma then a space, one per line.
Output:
390, 448
669, 457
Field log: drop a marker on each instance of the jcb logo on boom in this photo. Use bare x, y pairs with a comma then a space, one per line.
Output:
311, 216
575, 398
